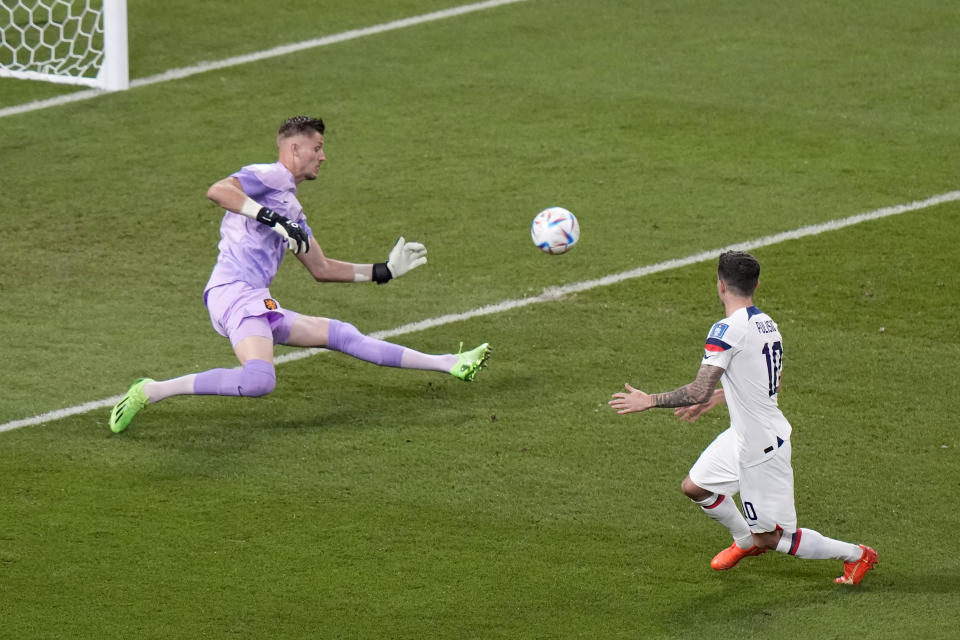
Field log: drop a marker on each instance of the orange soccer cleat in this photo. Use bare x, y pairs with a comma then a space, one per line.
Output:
853, 572
729, 557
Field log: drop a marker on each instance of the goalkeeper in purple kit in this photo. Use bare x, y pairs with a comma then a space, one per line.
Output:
262, 220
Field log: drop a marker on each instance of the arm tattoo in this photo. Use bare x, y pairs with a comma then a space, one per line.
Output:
696, 392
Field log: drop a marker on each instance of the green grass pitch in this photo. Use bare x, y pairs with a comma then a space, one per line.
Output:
357, 502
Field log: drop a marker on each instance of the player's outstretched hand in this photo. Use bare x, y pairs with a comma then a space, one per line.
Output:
632, 401
406, 256
293, 233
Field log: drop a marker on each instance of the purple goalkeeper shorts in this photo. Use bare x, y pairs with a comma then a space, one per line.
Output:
238, 311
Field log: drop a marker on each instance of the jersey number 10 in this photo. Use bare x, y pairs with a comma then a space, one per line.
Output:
774, 355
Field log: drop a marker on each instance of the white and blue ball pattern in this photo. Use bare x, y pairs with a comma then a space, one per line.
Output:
555, 230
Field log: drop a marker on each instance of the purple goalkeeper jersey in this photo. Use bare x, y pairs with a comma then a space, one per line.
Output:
251, 252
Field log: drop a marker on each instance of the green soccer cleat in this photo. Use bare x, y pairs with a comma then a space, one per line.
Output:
130, 405
470, 362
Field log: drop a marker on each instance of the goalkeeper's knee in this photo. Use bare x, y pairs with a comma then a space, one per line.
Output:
257, 378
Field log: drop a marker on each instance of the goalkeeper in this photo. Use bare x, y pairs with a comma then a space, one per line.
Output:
262, 220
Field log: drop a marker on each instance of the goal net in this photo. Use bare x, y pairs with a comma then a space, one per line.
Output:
80, 42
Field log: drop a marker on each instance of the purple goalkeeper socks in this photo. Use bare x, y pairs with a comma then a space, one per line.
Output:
344, 337
256, 378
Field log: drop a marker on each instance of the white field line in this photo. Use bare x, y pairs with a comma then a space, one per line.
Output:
203, 67
555, 293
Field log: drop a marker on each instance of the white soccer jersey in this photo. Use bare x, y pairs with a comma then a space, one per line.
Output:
748, 346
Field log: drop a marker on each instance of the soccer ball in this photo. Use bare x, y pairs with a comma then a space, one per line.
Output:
555, 230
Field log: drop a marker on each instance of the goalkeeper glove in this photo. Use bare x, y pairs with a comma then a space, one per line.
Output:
403, 257
290, 231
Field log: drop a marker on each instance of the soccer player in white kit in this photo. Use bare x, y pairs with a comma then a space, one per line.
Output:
262, 220
745, 351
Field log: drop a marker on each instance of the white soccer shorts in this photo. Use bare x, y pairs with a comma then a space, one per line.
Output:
766, 489
718, 467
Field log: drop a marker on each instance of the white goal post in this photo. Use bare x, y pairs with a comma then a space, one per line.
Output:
80, 42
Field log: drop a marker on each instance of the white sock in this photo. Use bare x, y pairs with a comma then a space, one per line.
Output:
411, 359
159, 390
809, 544
724, 510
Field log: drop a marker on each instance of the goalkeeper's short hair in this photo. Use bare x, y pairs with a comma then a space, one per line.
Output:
300, 124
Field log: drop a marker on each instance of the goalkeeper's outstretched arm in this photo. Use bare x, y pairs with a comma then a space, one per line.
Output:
404, 257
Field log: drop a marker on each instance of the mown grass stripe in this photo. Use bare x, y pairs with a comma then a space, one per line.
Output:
555, 293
